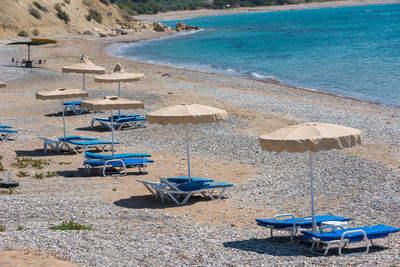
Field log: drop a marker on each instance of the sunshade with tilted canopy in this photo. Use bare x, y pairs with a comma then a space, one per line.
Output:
119, 75
2, 84
61, 93
84, 66
312, 137
185, 114
34, 42
112, 103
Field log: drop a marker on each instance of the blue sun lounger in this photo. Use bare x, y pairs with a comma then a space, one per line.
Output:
84, 143
75, 107
119, 122
122, 164
293, 224
5, 126
5, 134
90, 155
175, 191
153, 186
342, 237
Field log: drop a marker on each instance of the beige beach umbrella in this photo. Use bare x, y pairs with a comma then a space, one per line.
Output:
119, 75
185, 114
2, 85
111, 103
311, 137
84, 66
61, 93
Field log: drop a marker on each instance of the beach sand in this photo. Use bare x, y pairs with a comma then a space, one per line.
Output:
133, 228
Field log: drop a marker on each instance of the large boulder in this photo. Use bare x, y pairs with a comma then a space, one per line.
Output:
180, 26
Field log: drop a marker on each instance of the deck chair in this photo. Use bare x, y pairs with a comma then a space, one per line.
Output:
173, 191
115, 117
5, 134
119, 122
81, 144
75, 107
153, 187
90, 155
293, 224
342, 237
39, 63
12, 61
122, 164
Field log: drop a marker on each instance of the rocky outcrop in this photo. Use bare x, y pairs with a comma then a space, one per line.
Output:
181, 26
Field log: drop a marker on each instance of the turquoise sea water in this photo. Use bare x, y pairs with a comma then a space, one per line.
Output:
348, 51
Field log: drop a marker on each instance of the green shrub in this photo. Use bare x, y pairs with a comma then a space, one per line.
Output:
87, 3
40, 7
35, 32
24, 162
35, 13
95, 15
88, 17
22, 174
63, 16
23, 33
38, 176
20, 228
2, 228
71, 225
67, 2
51, 174
2, 167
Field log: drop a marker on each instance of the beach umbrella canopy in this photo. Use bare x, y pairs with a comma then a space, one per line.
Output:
61, 93
112, 103
119, 75
84, 66
34, 42
2, 85
185, 114
311, 137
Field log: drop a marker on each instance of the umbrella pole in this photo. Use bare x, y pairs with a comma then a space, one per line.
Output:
119, 95
63, 113
188, 151
83, 85
112, 134
29, 52
314, 225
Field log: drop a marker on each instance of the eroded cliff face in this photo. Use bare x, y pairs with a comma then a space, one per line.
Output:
62, 17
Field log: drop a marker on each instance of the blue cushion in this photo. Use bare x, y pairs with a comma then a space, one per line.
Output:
128, 119
276, 223
198, 185
376, 231
116, 156
76, 137
123, 116
91, 142
117, 163
8, 131
184, 179
75, 103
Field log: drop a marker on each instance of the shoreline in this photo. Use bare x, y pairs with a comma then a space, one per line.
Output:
180, 15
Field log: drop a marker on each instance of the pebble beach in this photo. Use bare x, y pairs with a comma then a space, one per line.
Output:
131, 227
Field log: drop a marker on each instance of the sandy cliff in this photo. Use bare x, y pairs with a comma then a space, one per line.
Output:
16, 15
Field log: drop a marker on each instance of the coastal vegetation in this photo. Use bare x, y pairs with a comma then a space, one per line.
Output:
71, 225
156, 6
